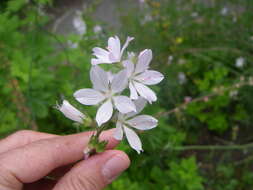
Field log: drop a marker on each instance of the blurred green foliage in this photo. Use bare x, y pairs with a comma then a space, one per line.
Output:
204, 100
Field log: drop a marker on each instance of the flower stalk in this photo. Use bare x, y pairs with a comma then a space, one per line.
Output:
95, 145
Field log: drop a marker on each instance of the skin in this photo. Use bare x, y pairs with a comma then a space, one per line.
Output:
32, 160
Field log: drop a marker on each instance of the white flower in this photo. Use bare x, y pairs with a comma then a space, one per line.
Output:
113, 53
72, 45
140, 76
181, 77
170, 59
79, 24
233, 93
224, 11
240, 62
194, 14
70, 111
142, 1
235, 19
41, 10
147, 18
106, 92
127, 121
97, 29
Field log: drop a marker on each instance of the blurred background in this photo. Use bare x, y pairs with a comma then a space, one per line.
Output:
205, 104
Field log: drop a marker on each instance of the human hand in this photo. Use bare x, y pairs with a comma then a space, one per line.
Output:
32, 160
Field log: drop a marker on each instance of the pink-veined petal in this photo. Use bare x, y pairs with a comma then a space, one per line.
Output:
114, 48
150, 77
124, 104
110, 76
133, 92
133, 139
143, 122
144, 59
140, 103
129, 67
89, 96
99, 61
119, 81
100, 53
102, 56
128, 40
71, 112
104, 112
118, 133
145, 92
99, 79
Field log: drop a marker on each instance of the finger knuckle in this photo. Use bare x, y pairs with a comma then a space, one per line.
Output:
83, 182
7, 180
25, 135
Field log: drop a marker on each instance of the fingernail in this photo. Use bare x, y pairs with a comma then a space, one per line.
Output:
113, 167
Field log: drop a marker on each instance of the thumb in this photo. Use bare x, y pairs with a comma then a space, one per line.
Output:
94, 173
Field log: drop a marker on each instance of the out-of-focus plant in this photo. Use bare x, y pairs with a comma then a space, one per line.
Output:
37, 67
204, 49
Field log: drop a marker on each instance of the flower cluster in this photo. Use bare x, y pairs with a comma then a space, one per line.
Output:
122, 94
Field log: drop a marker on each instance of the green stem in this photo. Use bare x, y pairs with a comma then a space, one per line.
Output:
99, 130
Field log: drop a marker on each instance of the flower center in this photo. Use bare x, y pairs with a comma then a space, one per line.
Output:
109, 94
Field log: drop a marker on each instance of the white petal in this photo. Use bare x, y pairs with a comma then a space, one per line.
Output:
133, 92
129, 67
71, 112
114, 48
118, 134
104, 112
110, 76
124, 104
129, 39
133, 139
102, 56
140, 103
144, 59
143, 122
89, 96
145, 92
119, 81
99, 52
99, 79
100, 61
150, 77
79, 25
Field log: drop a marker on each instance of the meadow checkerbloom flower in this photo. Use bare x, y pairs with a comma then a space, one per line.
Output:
127, 122
113, 53
140, 76
106, 93
121, 92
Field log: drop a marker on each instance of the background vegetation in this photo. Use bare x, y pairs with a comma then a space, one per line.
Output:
204, 48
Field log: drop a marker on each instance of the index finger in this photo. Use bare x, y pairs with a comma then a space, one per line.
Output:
32, 162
